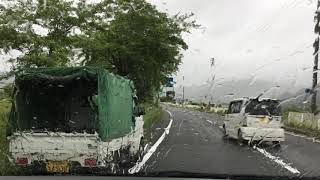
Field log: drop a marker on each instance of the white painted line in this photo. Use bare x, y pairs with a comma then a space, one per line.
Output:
277, 160
313, 139
169, 113
136, 168
209, 122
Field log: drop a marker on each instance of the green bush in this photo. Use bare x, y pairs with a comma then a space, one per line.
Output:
221, 112
152, 114
6, 167
304, 127
286, 110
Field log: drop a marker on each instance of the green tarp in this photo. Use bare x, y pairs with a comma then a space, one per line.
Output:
115, 105
73, 99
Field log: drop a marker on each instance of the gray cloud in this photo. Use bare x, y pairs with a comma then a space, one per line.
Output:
258, 40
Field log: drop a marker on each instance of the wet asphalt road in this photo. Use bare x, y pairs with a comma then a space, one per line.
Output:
195, 145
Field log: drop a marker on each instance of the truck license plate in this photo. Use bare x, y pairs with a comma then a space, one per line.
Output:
58, 166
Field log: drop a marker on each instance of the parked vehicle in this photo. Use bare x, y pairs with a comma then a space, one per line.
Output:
251, 119
66, 120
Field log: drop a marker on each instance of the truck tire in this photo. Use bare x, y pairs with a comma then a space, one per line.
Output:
240, 139
224, 131
141, 150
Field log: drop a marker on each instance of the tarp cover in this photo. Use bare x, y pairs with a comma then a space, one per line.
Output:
73, 99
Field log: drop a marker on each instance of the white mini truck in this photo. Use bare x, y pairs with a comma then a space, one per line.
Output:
251, 119
74, 120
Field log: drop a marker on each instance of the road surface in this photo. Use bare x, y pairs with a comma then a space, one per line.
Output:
195, 145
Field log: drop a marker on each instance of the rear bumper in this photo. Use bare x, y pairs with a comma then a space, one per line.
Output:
265, 134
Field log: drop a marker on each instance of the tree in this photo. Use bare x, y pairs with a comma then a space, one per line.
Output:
141, 43
44, 31
129, 37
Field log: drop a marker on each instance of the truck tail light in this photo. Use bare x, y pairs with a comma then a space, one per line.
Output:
90, 162
22, 161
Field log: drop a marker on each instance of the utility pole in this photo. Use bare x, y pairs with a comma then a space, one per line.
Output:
316, 60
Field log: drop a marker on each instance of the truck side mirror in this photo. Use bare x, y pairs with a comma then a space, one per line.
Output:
138, 111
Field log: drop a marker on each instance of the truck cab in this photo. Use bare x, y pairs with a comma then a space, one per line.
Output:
70, 120
252, 119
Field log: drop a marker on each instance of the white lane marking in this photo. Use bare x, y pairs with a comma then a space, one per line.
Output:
169, 113
313, 139
277, 160
136, 168
180, 126
209, 122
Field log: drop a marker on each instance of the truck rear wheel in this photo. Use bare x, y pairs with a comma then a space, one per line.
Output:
224, 131
241, 141
141, 150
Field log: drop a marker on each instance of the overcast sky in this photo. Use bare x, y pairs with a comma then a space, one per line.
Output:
257, 39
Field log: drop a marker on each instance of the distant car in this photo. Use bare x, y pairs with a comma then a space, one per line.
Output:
250, 120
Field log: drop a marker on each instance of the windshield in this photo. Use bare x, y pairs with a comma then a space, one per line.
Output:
264, 107
167, 88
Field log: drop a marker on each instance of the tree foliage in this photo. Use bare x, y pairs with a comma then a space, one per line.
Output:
129, 37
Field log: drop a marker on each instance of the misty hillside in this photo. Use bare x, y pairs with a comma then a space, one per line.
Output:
229, 90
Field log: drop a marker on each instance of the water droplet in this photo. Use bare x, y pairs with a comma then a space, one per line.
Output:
230, 94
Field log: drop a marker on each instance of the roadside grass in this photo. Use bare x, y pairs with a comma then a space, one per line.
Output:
221, 112
202, 108
285, 112
6, 167
152, 114
305, 128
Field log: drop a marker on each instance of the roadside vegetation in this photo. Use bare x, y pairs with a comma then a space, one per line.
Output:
217, 109
287, 109
6, 167
306, 128
152, 115
303, 128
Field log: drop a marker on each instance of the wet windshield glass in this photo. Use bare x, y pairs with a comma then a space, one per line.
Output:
169, 88
263, 107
